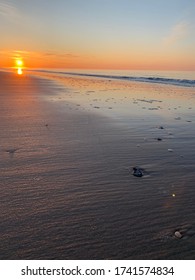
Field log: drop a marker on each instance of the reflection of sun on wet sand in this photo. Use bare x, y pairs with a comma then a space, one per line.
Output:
20, 71
68, 164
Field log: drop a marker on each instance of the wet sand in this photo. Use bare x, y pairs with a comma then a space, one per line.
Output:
67, 150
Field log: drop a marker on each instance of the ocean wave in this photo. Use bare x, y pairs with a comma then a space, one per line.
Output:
152, 79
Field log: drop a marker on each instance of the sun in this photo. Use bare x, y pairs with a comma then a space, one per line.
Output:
19, 62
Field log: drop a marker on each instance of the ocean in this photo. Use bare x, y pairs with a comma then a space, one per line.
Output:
182, 78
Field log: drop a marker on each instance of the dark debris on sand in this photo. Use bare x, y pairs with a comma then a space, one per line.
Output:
137, 171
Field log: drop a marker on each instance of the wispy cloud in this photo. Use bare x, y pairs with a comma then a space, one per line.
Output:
62, 55
69, 55
19, 54
8, 11
177, 33
14, 54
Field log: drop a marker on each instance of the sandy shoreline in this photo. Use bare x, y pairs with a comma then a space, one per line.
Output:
67, 153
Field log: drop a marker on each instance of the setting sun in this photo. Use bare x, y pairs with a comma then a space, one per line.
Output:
19, 62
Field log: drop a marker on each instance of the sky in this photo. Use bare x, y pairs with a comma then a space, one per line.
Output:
98, 34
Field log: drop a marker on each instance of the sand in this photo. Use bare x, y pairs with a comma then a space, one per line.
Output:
67, 149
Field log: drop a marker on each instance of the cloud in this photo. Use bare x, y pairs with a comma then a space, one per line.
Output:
177, 33
14, 54
37, 54
8, 11
61, 55
69, 55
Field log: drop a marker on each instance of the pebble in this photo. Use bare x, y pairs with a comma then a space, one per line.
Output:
11, 151
138, 172
170, 150
178, 234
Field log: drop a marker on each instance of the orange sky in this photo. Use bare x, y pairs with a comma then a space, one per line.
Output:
99, 34
100, 61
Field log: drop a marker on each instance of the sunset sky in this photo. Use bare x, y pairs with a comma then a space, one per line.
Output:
102, 34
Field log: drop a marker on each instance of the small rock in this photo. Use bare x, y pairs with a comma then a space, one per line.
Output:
170, 150
161, 127
159, 139
11, 151
178, 234
138, 172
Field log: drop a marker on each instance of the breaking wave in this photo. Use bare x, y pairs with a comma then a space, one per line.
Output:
150, 79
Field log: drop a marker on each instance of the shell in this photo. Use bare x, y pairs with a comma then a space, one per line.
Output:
178, 234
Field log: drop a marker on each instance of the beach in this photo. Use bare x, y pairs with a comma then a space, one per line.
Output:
68, 146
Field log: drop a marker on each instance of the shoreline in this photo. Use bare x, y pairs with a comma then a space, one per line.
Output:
66, 167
